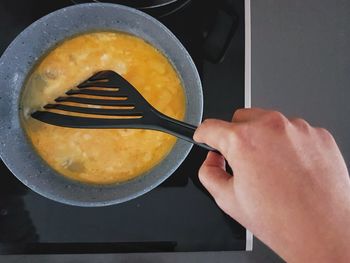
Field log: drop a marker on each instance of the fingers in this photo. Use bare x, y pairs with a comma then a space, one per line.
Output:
244, 115
215, 179
215, 133
215, 160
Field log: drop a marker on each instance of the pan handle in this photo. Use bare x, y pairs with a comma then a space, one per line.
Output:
182, 130
219, 37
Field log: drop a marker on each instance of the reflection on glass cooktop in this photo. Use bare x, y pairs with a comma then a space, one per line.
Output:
179, 215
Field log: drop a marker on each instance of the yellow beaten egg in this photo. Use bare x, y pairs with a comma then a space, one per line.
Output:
102, 156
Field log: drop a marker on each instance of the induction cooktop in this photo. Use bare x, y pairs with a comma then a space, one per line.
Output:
177, 216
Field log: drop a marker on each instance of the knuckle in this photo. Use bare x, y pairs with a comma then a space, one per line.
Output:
203, 126
238, 113
276, 116
325, 135
301, 124
207, 122
276, 120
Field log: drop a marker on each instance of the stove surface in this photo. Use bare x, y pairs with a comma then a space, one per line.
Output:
179, 215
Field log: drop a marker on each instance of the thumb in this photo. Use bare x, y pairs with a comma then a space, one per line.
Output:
217, 181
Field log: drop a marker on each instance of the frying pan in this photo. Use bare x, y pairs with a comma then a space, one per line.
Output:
25, 51
140, 4
157, 8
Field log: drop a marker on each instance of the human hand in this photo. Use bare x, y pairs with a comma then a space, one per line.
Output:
290, 187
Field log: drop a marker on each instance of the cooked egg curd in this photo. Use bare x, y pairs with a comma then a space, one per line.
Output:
102, 156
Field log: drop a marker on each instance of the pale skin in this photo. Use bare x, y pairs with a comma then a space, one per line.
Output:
290, 186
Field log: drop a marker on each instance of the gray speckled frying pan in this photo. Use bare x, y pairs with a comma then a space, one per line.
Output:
24, 52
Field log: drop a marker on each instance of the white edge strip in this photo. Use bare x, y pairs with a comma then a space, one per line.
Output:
247, 86
248, 55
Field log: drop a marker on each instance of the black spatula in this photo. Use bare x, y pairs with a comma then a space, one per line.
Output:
127, 109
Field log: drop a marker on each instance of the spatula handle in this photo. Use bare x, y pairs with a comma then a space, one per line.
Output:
181, 130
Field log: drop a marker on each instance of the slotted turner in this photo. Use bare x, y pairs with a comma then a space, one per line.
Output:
127, 109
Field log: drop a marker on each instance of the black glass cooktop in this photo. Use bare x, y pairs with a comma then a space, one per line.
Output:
178, 215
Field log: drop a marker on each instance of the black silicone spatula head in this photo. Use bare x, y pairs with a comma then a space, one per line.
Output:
113, 103
126, 106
